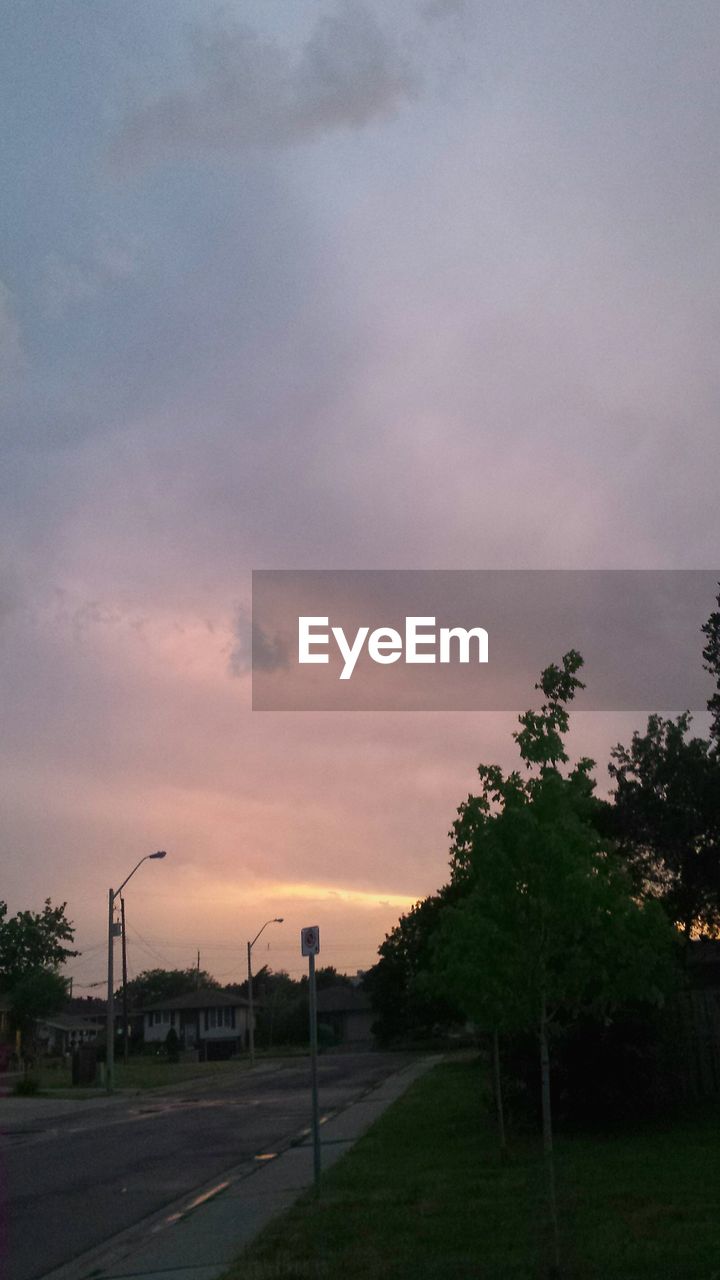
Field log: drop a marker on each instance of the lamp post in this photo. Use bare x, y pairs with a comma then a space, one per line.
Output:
110, 1033
251, 1020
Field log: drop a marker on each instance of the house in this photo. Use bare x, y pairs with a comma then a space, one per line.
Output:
349, 1014
212, 1021
63, 1032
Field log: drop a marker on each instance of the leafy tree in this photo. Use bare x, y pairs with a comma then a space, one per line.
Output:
281, 1003
328, 976
38, 994
711, 655
666, 820
547, 927
406, 1002
152, 986
32, 941
281, 1008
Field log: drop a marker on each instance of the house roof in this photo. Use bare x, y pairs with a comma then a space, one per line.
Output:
206, 998
72, 1022
343, 999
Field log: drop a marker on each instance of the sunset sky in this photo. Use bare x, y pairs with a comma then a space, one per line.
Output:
302, 285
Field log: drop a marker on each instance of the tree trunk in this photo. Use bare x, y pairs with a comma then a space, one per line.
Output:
548, 1135
497, 1090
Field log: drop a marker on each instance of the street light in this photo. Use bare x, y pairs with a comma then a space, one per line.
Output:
251, 1022
110, 1033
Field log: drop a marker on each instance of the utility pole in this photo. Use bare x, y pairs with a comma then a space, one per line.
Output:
310, 947
112, 932
110, 1026
126, 1024
251, 1019
197, 975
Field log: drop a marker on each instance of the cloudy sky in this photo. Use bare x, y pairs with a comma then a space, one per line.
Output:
321, 285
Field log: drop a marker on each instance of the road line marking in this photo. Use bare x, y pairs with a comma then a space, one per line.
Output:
195, 1204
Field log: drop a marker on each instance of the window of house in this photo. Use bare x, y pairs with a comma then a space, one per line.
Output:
220, 1018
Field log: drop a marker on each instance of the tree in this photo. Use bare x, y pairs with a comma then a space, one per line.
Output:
152, 986
548, 927
281, 1008
327, 976
711, 656
32, 941
402, 995
38, 994
666, 811
666, 820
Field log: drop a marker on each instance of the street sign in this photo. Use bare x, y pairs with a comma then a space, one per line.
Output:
310, 941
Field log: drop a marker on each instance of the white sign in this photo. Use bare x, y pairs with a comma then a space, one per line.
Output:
310, 941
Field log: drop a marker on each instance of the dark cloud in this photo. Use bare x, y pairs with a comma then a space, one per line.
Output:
254, 646
252, 93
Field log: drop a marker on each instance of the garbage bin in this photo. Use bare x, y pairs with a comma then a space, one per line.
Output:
84, 1064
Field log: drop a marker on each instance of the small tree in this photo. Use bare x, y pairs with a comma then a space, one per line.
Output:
548, 926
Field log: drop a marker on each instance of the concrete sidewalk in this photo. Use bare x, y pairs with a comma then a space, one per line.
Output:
201, 1238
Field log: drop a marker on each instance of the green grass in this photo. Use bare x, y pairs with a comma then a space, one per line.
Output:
426, 1194
143, 1073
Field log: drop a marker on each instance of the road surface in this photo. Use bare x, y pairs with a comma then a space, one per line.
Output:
70, 1183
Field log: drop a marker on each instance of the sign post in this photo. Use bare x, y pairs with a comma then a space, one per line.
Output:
310, 947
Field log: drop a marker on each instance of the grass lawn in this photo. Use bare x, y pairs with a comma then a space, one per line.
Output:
425, 1194
142, 1073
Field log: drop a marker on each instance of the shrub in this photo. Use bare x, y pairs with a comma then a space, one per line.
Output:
27, 1087
172, 1046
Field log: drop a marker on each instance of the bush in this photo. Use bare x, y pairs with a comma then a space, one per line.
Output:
609, 1072
27, 1087
172, 1046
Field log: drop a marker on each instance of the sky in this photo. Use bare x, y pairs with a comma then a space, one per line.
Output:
321, 285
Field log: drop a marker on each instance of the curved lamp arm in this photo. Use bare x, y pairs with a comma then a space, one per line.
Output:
160, 854
275, 920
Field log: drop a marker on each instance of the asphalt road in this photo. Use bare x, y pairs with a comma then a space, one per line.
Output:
70, 1183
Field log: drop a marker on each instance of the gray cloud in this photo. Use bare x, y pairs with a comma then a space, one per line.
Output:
256, 646
252, 93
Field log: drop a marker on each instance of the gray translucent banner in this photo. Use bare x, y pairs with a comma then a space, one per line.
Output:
639, 632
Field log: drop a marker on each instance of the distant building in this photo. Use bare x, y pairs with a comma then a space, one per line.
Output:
212, 1021
63, 1032
349, 1014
